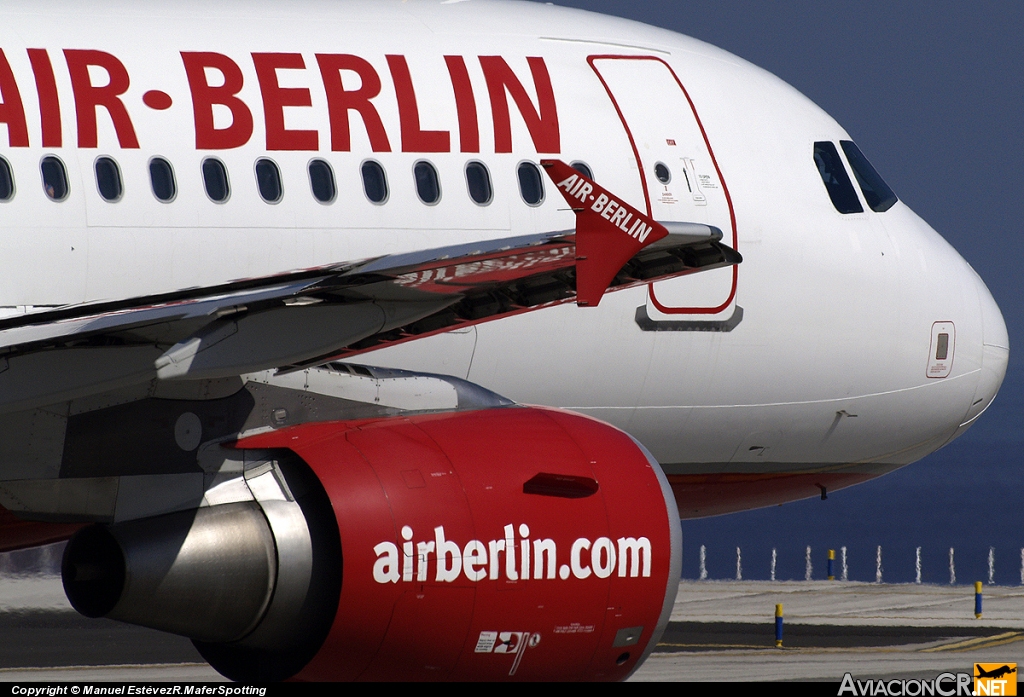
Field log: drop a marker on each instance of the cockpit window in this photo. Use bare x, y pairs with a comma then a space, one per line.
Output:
876, 192
837, 181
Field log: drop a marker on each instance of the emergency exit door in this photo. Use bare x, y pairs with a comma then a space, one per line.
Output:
678, 172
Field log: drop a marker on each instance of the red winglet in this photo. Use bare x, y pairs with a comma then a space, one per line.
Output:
609, 231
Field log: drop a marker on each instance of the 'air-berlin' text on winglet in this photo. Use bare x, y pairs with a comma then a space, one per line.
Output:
609, 231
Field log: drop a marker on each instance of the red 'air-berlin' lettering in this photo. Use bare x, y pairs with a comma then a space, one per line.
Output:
49, 101
12, 111
340, 101
204, 97
89, 97
414, 139
351, 84
465, 104
276, 98
542, 122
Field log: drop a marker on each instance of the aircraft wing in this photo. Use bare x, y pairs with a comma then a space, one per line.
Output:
307, 317
261, 463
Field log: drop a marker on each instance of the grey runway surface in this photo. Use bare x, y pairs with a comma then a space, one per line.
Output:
43, 639
720, 631
48, 638
724, 631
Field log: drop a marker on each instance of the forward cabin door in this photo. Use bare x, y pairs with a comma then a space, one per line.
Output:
679, 175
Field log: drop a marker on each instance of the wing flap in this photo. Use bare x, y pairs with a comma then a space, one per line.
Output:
697, 249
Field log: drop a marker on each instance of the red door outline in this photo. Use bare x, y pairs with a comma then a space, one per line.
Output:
643, 179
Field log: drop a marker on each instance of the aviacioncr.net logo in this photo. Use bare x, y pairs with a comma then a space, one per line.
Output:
944, 685
995, 679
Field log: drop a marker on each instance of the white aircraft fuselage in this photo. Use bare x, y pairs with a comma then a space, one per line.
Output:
816, 363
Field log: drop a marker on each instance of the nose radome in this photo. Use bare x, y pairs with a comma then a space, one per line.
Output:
995, 353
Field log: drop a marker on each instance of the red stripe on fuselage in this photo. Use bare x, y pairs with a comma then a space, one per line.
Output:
703, 495
16, 533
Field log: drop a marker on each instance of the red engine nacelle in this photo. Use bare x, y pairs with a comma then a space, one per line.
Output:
513, 543
428, 509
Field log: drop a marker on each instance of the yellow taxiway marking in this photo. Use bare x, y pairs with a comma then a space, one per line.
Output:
979, 642
718, 646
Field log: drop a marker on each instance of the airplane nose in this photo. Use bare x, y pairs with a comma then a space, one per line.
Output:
995, 354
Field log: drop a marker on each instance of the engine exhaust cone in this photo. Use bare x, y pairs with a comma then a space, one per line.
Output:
93, 571
207, 574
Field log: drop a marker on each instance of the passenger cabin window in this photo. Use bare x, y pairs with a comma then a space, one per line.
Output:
531, 184
428, 187
55, 178
321, 181
161, 177
268, 181
661, 171
583, 168
215, 179
837, 181
375, 182
478, 182
6, 181
876, 192
108, 179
